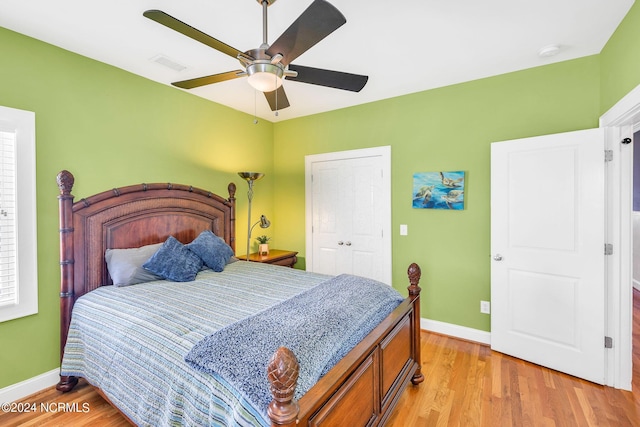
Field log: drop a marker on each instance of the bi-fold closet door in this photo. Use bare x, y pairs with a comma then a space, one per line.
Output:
348, 213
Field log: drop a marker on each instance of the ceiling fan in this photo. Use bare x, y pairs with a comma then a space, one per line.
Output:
268, 65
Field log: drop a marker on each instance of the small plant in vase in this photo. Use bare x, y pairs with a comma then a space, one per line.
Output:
263, 247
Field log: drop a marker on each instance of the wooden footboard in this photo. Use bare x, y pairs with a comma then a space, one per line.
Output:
364, 387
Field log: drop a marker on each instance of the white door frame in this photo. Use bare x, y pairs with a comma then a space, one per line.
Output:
622, 119
385, 153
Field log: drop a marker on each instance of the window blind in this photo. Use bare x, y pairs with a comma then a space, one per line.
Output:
8, 246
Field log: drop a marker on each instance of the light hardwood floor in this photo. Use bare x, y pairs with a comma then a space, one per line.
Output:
466, 384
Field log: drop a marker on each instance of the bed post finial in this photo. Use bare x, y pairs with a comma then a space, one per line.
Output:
282, 372
414, 274
65, 181
232, 190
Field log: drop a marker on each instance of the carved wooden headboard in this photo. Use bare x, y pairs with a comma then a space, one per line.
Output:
129, 217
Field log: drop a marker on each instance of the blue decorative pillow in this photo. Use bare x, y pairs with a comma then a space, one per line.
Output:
214, 252
174, 261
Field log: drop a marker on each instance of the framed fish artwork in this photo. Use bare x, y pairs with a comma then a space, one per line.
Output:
438, 190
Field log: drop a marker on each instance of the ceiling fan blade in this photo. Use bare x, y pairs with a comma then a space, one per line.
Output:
279, 101
328, 78
175, 24
207, 80
318, 21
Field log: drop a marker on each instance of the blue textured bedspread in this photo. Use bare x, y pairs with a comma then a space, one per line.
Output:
131, 342
320, 326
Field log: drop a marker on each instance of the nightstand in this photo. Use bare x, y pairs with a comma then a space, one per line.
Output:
276, 257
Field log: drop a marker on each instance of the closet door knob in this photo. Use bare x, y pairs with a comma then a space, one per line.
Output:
340, 243
348, 243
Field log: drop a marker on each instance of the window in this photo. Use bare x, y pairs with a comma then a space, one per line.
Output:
8, 291
18, 255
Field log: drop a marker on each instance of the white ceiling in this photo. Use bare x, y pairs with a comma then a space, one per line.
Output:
403, 46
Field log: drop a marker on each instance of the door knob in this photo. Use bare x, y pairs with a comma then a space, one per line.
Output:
497, 257
348, 243
340, 243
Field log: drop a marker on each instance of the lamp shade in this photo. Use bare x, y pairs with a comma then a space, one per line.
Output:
264, 82
250, 176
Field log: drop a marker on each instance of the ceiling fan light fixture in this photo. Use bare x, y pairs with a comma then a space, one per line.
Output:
265, 77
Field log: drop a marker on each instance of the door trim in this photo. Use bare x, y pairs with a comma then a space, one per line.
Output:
621, 120
385, 153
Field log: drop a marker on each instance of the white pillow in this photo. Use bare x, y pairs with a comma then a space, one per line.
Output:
125, 265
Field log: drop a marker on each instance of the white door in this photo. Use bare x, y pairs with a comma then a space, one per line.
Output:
348, 210
547, 245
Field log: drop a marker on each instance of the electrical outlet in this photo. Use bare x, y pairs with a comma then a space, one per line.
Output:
485, 307
403, 229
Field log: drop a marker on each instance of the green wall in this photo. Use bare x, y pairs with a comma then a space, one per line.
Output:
439, 130
451, 128
620, 60
111, 128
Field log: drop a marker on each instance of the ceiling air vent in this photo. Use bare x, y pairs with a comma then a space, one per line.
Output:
167, 62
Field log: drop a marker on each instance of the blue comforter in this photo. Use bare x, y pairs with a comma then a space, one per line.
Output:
320, 326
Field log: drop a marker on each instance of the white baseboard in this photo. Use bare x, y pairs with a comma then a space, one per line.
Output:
456, 331
28, 387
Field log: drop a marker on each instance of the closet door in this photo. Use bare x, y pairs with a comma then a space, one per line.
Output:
348, 214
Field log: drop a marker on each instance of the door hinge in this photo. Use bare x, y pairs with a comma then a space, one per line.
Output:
608, 155
608, 249
608, 342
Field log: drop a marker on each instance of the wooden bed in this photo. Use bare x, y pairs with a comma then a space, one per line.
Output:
361, 389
